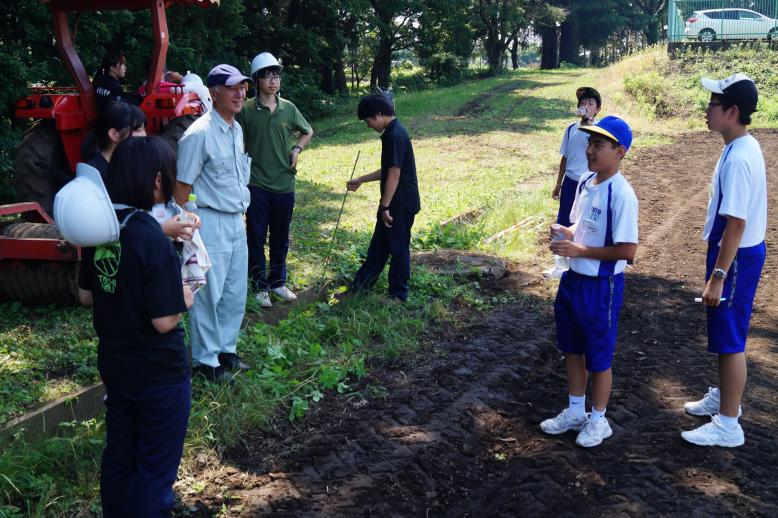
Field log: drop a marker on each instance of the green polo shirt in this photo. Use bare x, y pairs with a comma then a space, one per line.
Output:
268, 142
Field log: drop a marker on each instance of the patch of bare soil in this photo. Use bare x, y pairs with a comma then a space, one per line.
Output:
456, 433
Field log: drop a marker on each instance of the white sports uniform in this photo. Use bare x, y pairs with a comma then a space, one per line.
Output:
604, 214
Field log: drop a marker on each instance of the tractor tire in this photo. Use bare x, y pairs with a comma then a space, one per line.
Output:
37, 282
36, 168
773, 34
175, 130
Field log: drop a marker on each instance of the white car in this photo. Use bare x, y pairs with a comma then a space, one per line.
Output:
730, 24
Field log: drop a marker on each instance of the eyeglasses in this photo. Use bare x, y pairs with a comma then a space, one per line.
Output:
714, 103
270, 76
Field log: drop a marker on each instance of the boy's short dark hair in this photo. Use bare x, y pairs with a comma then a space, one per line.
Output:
745, 110
133, 170
587, 92
374, 104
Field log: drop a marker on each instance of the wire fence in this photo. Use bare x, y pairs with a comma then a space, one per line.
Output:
718, 20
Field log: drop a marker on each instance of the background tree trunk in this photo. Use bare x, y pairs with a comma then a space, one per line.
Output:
568, 41
549, 57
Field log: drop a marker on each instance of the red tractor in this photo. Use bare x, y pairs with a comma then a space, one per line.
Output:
36, 264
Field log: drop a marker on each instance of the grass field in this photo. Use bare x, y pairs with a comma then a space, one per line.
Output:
489, 146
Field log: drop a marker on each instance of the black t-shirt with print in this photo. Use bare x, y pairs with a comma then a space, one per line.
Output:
133, 281
397, 151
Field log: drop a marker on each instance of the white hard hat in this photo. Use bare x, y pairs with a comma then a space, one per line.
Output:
264, 60
83, 211
192, 79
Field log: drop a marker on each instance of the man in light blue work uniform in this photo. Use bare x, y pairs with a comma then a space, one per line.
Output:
213, 165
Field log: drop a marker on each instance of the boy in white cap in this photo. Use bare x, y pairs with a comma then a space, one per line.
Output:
735, 230
602, 238
269, 122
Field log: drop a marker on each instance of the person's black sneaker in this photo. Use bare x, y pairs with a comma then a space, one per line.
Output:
233, 362
213, 374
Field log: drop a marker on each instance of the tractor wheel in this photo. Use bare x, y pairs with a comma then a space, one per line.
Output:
175, 130
773, 34
38, 159
37, 282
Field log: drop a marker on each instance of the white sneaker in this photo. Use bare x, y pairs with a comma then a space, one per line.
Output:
263, 297
562, 423
715, 434
593, 432
708, 405
285, 293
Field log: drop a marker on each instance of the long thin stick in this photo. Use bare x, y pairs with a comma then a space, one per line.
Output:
337, 223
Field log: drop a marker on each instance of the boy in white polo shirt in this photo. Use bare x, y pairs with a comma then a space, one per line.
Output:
573, 165
602, 238
735, 230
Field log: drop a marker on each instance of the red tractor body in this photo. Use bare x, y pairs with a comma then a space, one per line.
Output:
36, 264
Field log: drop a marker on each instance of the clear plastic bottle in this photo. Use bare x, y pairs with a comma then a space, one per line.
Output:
561, 262
580, 112
189, 206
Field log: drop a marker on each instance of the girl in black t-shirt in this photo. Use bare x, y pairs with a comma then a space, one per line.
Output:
135, 288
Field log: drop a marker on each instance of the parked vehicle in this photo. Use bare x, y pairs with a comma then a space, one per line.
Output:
730, 24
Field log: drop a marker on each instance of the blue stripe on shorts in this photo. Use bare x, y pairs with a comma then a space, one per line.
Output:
728, 323
587, 317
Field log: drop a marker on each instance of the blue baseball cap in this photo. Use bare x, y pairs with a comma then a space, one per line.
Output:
226, 75
613, 128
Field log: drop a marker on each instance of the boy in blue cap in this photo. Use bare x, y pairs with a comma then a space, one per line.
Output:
735, 230
603, 236
573, 164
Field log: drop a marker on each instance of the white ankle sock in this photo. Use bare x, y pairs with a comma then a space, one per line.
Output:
729, 422
597, 414
577, 405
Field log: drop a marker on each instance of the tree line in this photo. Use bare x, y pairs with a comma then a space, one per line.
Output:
330, 47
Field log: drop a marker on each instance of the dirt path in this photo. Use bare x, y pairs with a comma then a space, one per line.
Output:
458, 434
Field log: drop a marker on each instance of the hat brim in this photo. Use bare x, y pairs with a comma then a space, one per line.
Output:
711, 85
92, 174
234, 80
596, 130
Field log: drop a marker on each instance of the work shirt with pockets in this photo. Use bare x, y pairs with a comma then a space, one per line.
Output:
212, 160
268, 141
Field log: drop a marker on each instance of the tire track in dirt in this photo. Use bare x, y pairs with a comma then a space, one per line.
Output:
457, 434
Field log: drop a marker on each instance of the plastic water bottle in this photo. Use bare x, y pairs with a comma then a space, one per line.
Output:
580, 112
560, 262
189, 206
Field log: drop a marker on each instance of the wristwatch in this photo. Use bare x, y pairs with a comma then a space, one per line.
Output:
297, 147
382, 208
719, 274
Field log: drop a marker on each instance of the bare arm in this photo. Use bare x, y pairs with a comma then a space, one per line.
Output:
304, 140
181, 192
392, 179
354, 184
559, 177
85, 297
730, 242
169, 322
617, 252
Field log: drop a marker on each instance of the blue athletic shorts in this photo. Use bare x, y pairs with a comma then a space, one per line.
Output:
587, 317
566, 199
728, 323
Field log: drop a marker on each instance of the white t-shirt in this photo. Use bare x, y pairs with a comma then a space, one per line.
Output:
738, 189
604, 214
574, 144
